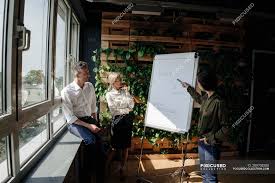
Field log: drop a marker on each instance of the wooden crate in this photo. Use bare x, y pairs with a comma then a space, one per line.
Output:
160, 39
213, 45
108, 23
113, 15
115, 44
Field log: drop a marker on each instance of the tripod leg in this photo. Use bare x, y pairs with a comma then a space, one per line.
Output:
141, 151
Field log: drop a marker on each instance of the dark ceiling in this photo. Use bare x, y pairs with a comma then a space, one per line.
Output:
261, 8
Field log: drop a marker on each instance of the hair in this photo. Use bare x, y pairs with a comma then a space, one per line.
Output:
207, 79
112, 77
78, 66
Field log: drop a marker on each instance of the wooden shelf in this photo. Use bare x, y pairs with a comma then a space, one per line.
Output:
105, 37
213, 28
216, 43
146, 58
119, 24
160, 39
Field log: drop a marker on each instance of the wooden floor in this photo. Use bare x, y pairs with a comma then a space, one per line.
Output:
161, 171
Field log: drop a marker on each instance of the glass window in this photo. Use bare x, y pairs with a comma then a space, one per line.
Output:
32, 137
58, 119
3, 160
74, 46
61, 36
74, 38
2, 28
34, 60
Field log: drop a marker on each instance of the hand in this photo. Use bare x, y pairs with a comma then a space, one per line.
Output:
204, 140
125, 87
137, 100
185, 85
93, 128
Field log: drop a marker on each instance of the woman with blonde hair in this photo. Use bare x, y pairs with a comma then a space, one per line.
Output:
120, 103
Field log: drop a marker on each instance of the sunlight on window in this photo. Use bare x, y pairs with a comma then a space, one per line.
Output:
34, 60
3, 159
60, 52
58, 119
2, 13
32, 137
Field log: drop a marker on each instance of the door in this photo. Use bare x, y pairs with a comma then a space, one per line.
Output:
261, 129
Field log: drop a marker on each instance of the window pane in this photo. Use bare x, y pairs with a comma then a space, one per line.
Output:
58, 119
2, 24
34, 60
32, 137
74, 47
3, 159
74, 38
60, 50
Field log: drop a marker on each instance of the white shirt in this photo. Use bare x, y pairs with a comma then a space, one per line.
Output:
78, 102
119, 102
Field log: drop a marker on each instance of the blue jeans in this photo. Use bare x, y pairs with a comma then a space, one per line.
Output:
208, 153
95, 155
84, 133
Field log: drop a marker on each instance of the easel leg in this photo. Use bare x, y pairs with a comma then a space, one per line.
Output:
181, 170
139, 178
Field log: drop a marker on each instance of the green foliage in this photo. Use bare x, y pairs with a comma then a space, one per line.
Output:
137, 76
34, 77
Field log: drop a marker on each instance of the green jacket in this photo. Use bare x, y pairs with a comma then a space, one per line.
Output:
213, 117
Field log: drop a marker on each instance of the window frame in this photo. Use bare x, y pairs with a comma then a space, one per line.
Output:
48, 65
3, 82
8, 159
11, 123
40, 108
73, 58
62, 4
8, 118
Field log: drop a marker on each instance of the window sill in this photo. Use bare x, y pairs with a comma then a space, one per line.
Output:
55, 165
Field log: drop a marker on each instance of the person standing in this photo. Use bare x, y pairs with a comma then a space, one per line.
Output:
120, 103
79, 107
213, 123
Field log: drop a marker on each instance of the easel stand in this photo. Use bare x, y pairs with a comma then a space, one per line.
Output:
183, 175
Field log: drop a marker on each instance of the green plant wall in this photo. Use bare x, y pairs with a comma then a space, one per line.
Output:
137, 76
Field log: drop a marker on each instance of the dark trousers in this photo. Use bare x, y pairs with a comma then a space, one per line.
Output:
94, 152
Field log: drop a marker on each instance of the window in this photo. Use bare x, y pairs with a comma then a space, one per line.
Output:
74, 37
61, 42
74, 46
58, 119
34, 60
2, 32
32, 137
3, 160
27, 121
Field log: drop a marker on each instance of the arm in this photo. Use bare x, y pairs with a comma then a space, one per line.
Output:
114, 106
110, 103
69, 115
194, 94
222, 133
130, 100
68, 107
91, 127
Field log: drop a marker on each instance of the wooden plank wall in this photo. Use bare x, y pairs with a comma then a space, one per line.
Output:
176, 34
